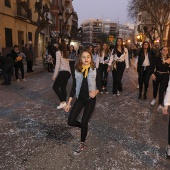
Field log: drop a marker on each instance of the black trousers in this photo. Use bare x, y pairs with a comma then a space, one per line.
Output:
160, 83
50, 67
88, 106
144, 74
117, 75
72, 68
19, 66
29, 66
60, 85
7, 73
103, 74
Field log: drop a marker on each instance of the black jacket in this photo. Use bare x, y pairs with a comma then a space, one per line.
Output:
141, 58
6, 61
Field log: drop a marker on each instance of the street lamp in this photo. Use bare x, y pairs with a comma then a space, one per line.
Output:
60, 17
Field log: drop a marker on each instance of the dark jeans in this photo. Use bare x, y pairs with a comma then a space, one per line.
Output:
88, 106
160, 83
117, 75
144, 76
60, 84
50, 67
103, 74
7, 73
29, 66
18, 66
72, 68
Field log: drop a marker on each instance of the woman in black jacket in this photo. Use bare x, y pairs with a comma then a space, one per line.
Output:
144, 68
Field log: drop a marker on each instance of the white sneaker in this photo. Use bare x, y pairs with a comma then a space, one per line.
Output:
18, 80
62, 105
160, 109
137, 86
24, 79
153, 102
118, 93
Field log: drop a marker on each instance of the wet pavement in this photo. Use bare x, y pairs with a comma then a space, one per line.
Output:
125, 133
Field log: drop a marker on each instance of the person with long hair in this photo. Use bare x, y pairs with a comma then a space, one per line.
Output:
104, 57
95, 57
165, 112
86, 86
144, 66
72, 59
61, 74
160, 76
118, 61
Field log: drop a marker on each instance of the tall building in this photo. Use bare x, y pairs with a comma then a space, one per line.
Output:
15, 28
63, 23
91, 29
110, 27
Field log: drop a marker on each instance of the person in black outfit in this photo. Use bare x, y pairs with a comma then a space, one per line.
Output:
18, 56
144, 68
72, 59
86, 85
6, 64
160, 76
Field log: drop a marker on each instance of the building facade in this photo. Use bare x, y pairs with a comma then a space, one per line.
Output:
15, 28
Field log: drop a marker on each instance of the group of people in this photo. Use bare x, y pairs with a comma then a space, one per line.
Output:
13, 62
89, 73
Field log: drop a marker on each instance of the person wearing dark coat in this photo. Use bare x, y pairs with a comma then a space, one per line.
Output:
29, 58
6, 64
18, 56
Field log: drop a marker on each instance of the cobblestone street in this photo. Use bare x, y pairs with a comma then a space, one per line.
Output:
125, 133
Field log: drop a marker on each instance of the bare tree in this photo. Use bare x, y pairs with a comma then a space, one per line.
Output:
42, 20
157, 10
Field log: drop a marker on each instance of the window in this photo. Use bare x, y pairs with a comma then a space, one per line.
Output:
8, 37
29, 36
8, 3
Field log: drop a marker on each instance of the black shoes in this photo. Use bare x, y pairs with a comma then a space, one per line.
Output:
144, 96
140, 96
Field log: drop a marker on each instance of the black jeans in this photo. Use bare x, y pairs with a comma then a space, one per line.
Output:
18, 66
143, 76
88, 106
103, 74
60, 84
29, 66
50, 67
117, 75
7, 73
160, 83
72, 68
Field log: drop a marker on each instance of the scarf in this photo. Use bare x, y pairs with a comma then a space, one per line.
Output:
85, 70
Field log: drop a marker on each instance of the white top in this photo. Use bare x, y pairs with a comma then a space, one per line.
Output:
167, 96
123, 57
145, 63
96, 60
101, 59
62, 64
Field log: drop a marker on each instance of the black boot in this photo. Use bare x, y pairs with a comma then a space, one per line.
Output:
140, 96
144, 96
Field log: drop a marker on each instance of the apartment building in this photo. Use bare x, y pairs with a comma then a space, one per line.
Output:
16, 29
91, 29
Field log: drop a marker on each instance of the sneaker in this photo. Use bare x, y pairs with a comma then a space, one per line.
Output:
137, 86
168, 152
24, 79
105, 90
79, 149
18, 80
62, 105
101, 90
160, 109
153, 102
118, 93
114, 95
